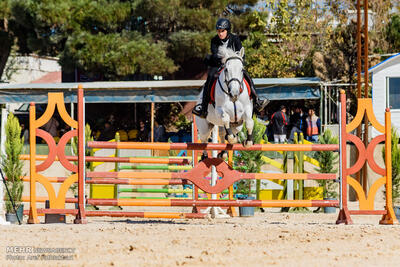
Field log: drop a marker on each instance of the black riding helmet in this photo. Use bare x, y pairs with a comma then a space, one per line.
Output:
223, 24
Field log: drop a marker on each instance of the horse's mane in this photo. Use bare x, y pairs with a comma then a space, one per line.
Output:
225, 53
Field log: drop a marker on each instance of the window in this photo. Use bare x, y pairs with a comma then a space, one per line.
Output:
393, 93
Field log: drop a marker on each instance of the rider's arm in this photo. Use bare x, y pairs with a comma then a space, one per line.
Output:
214, 51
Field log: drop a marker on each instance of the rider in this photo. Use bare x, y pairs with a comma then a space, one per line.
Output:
224, 37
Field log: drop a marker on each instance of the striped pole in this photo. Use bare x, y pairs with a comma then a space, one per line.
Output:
117, 159
213, 203
150, 167
212, 146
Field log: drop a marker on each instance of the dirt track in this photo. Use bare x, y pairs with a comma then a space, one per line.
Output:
280, 239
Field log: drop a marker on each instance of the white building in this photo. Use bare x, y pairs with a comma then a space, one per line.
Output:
32, 69
386, 90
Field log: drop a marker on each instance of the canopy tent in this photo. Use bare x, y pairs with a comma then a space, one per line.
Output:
154, 91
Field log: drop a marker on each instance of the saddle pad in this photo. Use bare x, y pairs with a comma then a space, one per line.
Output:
212, 91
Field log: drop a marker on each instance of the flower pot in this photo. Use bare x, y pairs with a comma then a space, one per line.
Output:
329, 209
246, 211
12, 217
397, 212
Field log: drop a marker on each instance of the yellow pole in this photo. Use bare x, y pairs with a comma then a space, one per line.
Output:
390, 217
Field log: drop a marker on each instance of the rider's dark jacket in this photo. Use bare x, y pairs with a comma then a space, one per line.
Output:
234, 43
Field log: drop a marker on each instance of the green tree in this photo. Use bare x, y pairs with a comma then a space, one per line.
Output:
249, 161
327, 161
395, 166
121, 38
11, 164
393, 33
282, 37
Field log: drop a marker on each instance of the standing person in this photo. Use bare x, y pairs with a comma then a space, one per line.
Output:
159, 132
279, 122
143, 134
298, 121
107, 133
24, 133
225, 38
313, 126
51, 126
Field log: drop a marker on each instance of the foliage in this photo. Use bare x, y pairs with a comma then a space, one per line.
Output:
393, 32
280, 40
249, 161
327, 161
118, 39
395, 165
11, 164
173, 118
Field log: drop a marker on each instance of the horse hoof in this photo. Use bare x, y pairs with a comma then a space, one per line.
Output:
232, 139
248, 143
203, 157
223, 155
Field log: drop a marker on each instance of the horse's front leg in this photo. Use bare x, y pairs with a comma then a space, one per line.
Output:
248, 119
226, 120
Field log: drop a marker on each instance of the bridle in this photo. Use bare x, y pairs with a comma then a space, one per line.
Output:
229, 93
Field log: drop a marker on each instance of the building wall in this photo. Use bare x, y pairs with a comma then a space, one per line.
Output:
26, 69
379, 101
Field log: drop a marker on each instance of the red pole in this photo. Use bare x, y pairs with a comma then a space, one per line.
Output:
344, 215
81, 217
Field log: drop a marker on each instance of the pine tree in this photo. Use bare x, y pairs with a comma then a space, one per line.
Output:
12, 165
395, 165
327, 161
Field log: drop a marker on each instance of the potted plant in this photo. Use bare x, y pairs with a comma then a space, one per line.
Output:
12, 167
250, 162
395, 172
327, 161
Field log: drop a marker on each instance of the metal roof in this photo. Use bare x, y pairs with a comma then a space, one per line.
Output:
152, 91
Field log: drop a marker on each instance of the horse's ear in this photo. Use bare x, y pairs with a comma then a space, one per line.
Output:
241, 52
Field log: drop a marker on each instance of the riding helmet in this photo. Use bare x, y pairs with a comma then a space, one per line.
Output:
223, 24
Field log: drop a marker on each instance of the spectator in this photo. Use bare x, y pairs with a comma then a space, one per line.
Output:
51, 126
107, 133
24, 133
279, 122
143, 134
159, 132
111, 119
313, 126
299, 122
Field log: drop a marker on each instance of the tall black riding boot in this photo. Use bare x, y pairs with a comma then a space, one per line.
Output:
201, 109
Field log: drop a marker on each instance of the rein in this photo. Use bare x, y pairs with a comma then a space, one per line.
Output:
231, 80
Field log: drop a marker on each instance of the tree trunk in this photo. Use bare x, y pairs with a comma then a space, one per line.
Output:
6, 42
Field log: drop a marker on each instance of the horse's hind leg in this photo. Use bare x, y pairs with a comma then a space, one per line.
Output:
204, 129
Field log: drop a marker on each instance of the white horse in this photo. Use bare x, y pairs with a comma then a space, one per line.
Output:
233, 105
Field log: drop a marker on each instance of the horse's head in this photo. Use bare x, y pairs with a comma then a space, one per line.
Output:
233, 71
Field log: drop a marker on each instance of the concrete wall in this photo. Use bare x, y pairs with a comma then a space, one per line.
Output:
26, 69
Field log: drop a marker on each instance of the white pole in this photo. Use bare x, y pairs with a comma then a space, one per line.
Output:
216, 212
214, 155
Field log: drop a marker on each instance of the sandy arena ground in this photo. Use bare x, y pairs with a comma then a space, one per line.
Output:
271, 238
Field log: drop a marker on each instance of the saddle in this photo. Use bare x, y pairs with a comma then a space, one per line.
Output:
214, 82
